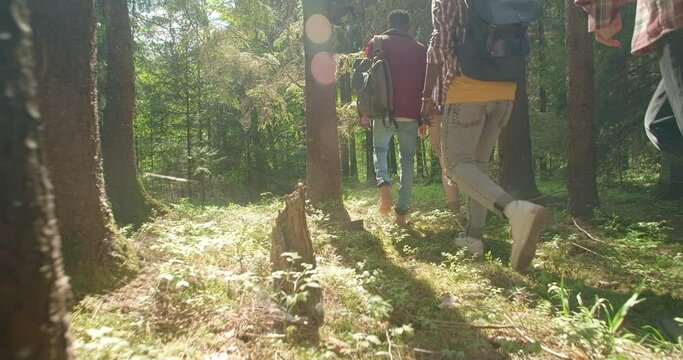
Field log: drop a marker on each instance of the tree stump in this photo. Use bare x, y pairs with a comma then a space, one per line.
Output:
290, 235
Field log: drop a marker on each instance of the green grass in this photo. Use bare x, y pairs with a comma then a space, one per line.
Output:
205, 288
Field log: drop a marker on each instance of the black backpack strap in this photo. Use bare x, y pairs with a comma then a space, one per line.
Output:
390, 94
377, 45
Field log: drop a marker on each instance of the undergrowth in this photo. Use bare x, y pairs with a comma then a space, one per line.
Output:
596, 290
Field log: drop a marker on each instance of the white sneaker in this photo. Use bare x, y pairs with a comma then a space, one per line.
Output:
526, 223
473, 245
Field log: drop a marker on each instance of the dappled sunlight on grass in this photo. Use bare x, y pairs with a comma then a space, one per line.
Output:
206, 289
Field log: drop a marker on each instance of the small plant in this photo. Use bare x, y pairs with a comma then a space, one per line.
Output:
595, 329
292, 288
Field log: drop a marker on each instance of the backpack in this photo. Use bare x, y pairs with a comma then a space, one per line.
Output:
496, 43
372, 82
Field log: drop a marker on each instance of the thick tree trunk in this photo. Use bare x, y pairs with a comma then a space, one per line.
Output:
670, 178
65, 44
323, 168
542, 93
581, 172
33, 287
129, 201
370, 175
517, 171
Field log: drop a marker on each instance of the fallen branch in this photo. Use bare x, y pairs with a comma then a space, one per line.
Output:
589, 234
423, 351
529, 339
391, 356
165, 177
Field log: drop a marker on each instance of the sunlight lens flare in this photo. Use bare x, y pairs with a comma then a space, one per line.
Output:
318, 29
323, 68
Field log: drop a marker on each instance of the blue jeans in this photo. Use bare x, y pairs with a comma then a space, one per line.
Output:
407, 142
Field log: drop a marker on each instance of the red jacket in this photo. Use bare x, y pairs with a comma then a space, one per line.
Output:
407, 60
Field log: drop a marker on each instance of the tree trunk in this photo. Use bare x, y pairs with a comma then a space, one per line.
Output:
670, 178
353, 157
323, 168
419, 158
542, 93
370, 175
32, 282
345, 158
581, 171
345, 97
517, 171
391, 161
65, 45
129, 201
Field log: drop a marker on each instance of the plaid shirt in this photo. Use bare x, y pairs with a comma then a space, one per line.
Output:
448, 19
654, 19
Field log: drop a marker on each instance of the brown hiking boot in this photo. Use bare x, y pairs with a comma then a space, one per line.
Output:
401, 220
385, 202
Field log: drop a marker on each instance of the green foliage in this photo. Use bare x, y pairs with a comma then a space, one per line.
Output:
207, 286
595, 329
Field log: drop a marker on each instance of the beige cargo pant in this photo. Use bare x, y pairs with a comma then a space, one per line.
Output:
469, 132
450, 188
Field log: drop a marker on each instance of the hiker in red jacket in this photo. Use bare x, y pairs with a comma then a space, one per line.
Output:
407, 59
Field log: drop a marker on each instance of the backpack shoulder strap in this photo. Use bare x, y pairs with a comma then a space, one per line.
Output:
377, 44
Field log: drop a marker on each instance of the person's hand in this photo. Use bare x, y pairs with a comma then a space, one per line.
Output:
365, 123
422, 131
606, 34
427, 107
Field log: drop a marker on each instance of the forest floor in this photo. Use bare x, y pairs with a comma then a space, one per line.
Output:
204, 291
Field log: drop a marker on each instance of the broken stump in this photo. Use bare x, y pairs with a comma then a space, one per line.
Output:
290, 235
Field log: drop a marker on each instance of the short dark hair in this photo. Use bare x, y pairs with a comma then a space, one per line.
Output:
399, 19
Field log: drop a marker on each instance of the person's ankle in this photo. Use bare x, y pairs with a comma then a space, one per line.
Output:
510, 208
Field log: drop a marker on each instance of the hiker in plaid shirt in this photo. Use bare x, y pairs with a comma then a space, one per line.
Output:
658, 27
474, 114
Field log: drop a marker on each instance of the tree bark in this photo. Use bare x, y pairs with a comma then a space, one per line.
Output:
420, 158
345, 158
392, 162
33, 287
129, 201
65, 47
323, 168
517, 173
581, 172
542, 93
670, 178
353, 157
345, 97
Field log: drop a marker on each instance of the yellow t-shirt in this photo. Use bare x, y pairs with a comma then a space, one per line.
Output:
464, 89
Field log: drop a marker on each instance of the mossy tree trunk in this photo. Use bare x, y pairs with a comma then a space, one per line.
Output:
33, 287
65, 47
129, 202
